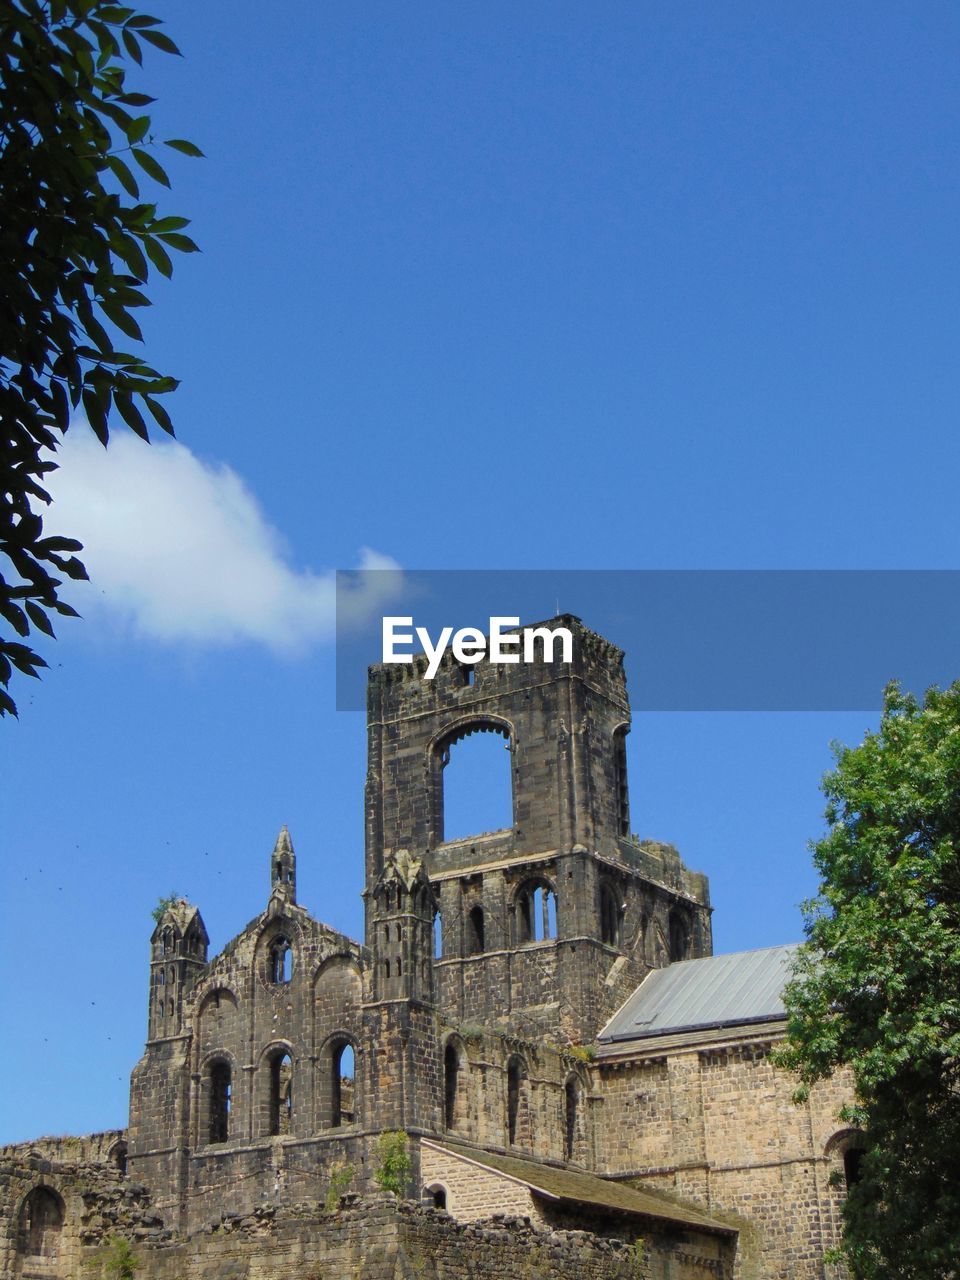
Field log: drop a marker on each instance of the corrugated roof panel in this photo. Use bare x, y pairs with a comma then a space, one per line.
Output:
745, 986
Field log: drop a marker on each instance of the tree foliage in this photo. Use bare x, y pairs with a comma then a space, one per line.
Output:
163, 903
393, 1162
77, 243
878, 983
116, 1259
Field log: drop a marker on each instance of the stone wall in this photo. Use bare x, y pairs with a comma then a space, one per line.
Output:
564, 727
473, 1193
240, 1020
84, 1197
383, 1240
716, 1124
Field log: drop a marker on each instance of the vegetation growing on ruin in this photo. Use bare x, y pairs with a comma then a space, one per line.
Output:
163, 904
116, 1259
341, 1175
393, 1162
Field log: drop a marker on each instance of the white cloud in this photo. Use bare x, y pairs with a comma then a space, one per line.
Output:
181, 550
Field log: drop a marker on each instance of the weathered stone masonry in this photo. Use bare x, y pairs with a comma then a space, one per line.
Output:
283, 1059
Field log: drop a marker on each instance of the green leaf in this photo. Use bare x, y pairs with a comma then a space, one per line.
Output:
97, 332
160, 41
71, 566
124, 176
177, 241
61, 406
122, 319
182, 145
7, 705
158, 256
169, 224
39, 618
57, 543
138, 129
15, 616
160, 415
23, 659
96, 415
131, 415
132, 46
130, 297
151, 166
117, 114
132, 255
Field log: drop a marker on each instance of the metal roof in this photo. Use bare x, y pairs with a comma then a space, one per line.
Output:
717, 991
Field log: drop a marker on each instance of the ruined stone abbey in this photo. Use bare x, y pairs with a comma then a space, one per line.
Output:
585, 1090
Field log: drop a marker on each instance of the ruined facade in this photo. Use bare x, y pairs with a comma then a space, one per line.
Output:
476, 1018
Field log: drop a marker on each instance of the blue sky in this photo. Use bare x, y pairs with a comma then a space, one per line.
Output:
482, 286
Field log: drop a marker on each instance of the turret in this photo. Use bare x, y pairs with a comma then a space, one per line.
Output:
178, 955
283, 868
400, 913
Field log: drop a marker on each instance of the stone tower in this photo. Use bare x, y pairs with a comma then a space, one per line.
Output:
400, 1014
548, 924
178, 954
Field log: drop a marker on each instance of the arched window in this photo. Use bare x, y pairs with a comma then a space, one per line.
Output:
451, 1084
41, 1221
620, 777
221, 1097
475, 931
118, 1158
516, 1080
475, 783
852, 1161
436, 1196
281, 1094
609, 916
437, 936
536, 912
571, 1094
679, 936
281, 960
343, 1083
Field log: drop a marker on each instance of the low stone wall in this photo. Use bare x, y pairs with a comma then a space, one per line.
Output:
378, 1238
89, 1200
90, 1148
381, 1239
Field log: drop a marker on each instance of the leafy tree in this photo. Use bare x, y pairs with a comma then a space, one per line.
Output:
76, 245
878, 983
393, 1162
